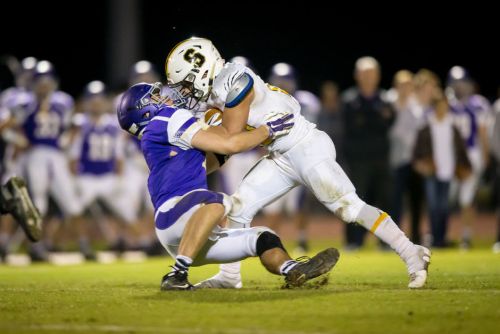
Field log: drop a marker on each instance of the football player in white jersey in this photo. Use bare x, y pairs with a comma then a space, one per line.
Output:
304, 156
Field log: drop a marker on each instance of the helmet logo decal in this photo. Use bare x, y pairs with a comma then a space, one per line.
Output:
195, 58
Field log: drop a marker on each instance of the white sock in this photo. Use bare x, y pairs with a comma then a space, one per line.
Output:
382, 225
182, 263
287, 266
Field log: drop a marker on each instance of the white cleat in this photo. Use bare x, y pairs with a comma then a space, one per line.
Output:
220, 282
418, 276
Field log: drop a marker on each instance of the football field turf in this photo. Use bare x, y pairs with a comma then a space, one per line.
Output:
366, 294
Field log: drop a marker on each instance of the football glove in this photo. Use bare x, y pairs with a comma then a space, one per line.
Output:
279, 123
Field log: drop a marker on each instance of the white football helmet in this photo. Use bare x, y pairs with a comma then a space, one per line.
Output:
192, 66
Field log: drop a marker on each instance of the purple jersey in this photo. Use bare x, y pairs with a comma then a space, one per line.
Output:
44, 124
98, 146
176, 168
469, 116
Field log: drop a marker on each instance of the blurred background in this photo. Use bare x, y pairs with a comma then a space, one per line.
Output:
370, 77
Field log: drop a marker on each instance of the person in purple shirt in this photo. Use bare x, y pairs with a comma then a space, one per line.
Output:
473, 116
188, 216
97, 155
43, 117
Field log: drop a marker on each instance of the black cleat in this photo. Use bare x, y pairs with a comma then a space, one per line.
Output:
176, 280
17, 202
311, 268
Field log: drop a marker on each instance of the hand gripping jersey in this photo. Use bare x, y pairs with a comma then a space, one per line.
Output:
233, 84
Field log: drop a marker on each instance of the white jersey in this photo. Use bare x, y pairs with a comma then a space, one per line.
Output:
267, 99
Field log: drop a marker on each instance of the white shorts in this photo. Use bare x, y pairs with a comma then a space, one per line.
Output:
310, 162
223, 245
109, 189
467, 188
48, 173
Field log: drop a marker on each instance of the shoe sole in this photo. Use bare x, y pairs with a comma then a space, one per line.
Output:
329, 258
176, 288
33, 222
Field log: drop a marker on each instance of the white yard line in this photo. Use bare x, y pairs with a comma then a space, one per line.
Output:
158, 329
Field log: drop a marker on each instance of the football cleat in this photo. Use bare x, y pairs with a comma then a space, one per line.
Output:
220, 281
311, 268
418, 276
17, 202
176, 280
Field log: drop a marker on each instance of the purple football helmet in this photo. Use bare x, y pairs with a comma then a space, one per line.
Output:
141, 102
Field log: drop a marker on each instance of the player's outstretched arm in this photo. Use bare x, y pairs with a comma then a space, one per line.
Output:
217, 140
214, 140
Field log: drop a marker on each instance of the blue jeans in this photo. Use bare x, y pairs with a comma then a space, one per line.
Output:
437, 193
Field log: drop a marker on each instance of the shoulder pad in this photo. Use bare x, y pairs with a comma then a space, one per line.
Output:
239, 90
63, 99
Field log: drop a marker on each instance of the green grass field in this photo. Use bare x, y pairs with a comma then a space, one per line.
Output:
366, 294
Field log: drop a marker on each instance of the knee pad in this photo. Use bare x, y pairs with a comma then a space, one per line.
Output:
268, 240
347, 207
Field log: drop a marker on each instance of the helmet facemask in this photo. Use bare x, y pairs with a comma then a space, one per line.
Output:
192, 95
156, 97
160, 97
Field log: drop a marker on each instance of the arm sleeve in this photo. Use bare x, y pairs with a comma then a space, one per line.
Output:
181, 128
240, 85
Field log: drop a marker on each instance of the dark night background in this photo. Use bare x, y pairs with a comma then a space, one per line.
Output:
322, 43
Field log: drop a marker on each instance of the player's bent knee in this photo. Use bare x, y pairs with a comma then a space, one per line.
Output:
239, 212
268, 240
347, 207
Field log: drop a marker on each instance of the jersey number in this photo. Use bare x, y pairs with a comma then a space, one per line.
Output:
100, 147
47, 125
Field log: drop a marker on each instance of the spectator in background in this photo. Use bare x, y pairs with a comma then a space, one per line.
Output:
440, 155
367, 118
330, 118
495, 151
409, 120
